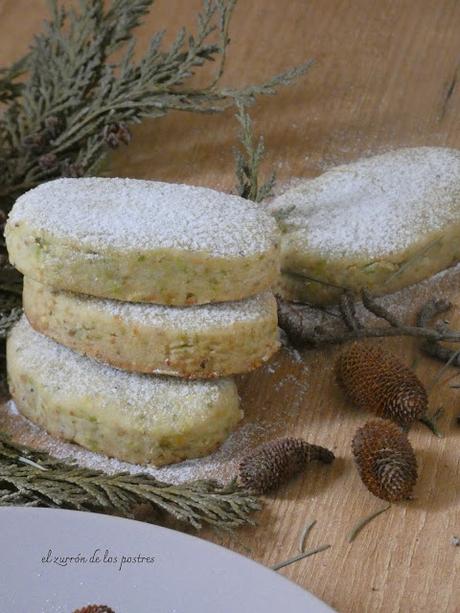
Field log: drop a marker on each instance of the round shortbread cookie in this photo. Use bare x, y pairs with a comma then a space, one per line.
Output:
143, 241
210, 340
383, 223
143, 419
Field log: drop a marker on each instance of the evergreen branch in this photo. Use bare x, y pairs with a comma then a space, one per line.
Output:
77, 102
33, 478
248, 161
10, 312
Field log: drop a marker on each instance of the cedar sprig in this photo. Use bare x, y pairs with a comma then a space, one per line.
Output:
10, 312
248, 160
77, 101
33, 478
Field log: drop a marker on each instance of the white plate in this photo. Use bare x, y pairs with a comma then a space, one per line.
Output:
187, 574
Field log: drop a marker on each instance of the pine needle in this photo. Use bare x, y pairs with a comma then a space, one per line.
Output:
301, 556
431, 421
442, 370
305, 532
363, 523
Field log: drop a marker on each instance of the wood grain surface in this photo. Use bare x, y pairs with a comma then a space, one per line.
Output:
386, 75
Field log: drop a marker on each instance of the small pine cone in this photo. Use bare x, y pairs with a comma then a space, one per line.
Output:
52, 126
95, 608
385, 460
36, 141
376, 381
48, 161
270, 465
71, 170
116, 133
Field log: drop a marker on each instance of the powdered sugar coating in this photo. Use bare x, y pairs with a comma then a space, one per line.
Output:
375, 206
132, 214
148, 396
193, 318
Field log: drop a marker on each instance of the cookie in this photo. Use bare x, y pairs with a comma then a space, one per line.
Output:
200, 341
143, 419
143, 241
383, 223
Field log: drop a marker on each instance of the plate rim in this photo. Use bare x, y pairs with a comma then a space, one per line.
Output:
46, 511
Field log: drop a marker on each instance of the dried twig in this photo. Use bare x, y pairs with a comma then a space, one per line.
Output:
348, 311
295, 322
429, 311
378, 310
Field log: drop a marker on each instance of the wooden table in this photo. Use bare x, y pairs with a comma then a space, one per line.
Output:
386, 75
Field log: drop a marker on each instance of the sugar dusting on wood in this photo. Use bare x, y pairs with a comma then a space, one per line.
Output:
220, 465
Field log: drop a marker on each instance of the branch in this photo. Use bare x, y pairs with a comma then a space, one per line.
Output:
78, 101
294, 321
432, 309
33, 478
248, 160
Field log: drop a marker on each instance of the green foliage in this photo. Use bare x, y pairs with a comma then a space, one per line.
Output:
33, 478
77, 100
248, 160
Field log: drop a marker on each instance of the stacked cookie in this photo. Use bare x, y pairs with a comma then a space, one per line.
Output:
141, 299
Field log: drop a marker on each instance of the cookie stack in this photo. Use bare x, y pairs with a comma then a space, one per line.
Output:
141, 299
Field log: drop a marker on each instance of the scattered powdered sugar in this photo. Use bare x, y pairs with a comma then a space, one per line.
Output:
200, 317
269, 423
133, 214
69, 374
374, 206
219, 465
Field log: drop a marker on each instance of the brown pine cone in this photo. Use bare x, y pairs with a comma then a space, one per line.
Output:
385, 460
376, 381
95, 608
270, 465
